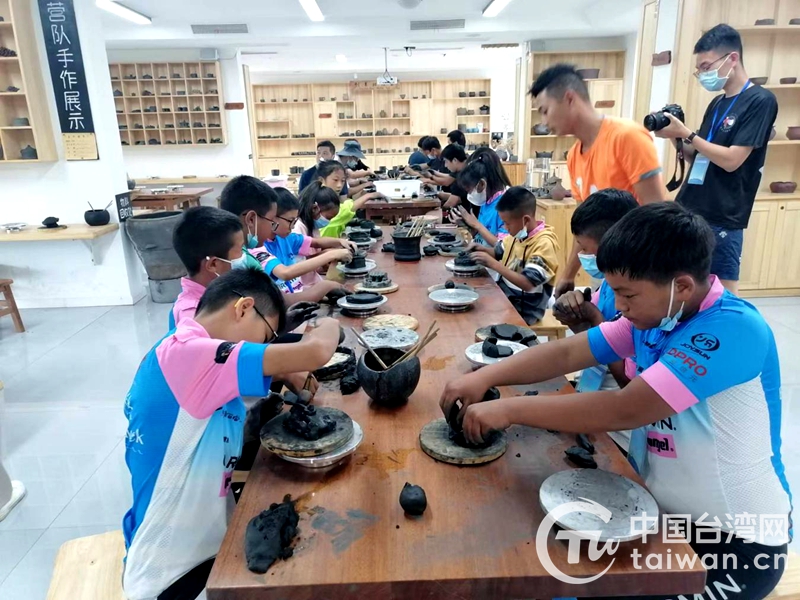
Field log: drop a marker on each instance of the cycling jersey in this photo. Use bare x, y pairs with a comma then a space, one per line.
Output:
186, 302
720, 453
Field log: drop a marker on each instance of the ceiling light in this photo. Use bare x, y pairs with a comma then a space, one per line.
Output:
494, 7
124, 12
341, 58
312, 10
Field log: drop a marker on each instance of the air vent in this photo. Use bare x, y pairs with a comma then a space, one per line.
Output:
218, 29
492, 46
439, 24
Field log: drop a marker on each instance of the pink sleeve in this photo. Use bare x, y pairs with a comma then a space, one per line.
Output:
300, 228
596, 296
619, 335
201, 373
671, 389
305, 247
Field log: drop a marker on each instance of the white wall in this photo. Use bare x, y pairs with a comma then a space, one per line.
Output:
661, 87
203, 161
61, 273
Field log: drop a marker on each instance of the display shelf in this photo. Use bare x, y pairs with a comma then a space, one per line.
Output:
768, 29
176, 96
18, 32
786, 86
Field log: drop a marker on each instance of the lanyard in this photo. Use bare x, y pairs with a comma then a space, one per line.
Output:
716, 125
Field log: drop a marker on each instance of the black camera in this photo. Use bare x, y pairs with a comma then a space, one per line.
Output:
659, 120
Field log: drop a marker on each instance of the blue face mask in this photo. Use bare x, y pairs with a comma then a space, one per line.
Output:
321, 222
252, 238
669, 323
522, 235
236, 263
712, 81
589, 264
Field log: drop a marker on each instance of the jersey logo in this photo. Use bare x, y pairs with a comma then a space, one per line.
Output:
705, 341
728, 123
223, 352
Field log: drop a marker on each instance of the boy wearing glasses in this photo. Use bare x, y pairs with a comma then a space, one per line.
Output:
728, 151
185, 427
256, 205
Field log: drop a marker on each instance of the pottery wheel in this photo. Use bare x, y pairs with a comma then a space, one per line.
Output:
276, 439
379, 321
436, 443
360, 287
486, 332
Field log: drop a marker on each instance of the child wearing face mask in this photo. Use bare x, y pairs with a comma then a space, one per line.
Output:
484, 179
525, 262
209, 242
590, 221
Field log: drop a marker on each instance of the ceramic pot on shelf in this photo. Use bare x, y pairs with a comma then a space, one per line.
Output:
793, 133
782, 187
97, 217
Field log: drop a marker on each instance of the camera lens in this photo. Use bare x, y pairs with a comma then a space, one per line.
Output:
650, 122
656, 121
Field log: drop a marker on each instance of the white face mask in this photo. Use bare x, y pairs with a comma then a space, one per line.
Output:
477, 198
669, 323
236, 263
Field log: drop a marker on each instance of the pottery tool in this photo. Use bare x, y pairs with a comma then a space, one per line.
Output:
369, 349
275, 437
380, 321
435, 441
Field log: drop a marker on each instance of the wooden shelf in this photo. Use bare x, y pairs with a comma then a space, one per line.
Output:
467, 98
17, 128
785, 86
77, 231
768, 29
9, 59
783, 143
770, 196
179, 180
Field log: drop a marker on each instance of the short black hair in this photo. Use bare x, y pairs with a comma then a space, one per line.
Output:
557, 79
517, 200
326, 167
286, 200
600, 211
421, 141
457, 137
245, 193
316, 194
720, 37
484, 164
204, 231
430, 143
252, 283
327, 144
454, 152
657, 242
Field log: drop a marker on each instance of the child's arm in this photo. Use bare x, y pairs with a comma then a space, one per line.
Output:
309, 354
356, 188
331, 243
315, 293
289, 272
359, 204
472, 222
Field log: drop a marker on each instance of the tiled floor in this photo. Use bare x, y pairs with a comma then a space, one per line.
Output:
62, 425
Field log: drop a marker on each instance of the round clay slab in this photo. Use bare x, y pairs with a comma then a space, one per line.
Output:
276, 439
359, 287
476, 356
391, 337
378, 321
436, 443
486, 332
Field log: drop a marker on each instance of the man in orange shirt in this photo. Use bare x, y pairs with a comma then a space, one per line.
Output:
608, 153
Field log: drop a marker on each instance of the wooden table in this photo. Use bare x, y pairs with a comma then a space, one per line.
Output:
177, 200
477, 538
404, 209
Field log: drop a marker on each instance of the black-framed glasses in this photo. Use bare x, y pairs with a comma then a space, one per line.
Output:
273, 335
711, 65
291, 222
274, 225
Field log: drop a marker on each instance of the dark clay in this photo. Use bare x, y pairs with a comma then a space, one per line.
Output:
583, 442
364, 298
506, 332
492, 350
580, 457
463, 260
269, 535
358, 236
532, 393
430, 250
445, 237
388, 248
304, 422
367, 224
349, 384
456, 430
378, 279
376, 233
413, 499
359, 261
449, 284
334, 295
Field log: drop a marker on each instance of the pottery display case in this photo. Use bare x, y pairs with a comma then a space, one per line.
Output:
287, 120
606, 92
25, 123
771, 252
169, 104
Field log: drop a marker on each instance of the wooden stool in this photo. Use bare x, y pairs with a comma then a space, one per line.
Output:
550, 327
9, 306
89, 568
789, 585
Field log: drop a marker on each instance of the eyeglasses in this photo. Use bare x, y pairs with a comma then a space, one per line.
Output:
708, 67
275, 224
291, 222
273, 335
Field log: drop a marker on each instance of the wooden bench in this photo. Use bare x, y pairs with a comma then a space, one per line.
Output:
550, 327
8, 305
89, 568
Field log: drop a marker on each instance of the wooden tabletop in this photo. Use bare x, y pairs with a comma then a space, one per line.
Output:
477, 538
73, 231
424, 203
184, 194
180, 180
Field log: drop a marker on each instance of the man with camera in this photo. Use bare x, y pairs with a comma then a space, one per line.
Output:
608, 152
727, 153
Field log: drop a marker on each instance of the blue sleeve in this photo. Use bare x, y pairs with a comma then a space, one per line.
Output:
719, 351
250, 370
295, 241
172, 318
601, 350
270, 266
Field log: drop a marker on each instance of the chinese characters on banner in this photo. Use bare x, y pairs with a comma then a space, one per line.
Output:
63, 47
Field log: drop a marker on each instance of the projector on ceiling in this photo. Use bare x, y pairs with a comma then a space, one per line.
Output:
387, 80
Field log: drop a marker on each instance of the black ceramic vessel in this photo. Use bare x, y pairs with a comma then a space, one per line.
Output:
406, 249
394, 386
97, 218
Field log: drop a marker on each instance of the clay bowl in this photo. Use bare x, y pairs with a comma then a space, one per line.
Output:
793, 133
761, 22
759, 80
782, 187
394, 386
97, 217
788, 80
589, 73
